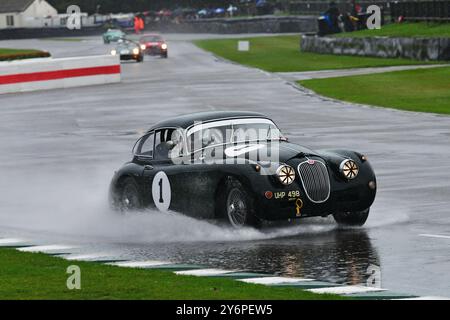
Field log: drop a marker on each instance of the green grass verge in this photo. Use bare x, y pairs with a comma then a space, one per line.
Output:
407, 29
39, 276
18, 54
281, 54
423, 90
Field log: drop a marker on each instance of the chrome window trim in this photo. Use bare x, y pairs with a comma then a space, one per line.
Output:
210, 124
138, 140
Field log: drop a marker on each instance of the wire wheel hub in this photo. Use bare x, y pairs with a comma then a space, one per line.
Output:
237, 209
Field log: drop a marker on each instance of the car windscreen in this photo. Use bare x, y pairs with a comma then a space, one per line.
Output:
151, 39
127, 44
231, 131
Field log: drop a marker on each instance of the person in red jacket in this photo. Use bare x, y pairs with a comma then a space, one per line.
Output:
136, 24
141, 24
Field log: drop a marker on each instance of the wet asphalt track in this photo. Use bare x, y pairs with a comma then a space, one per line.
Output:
58, 150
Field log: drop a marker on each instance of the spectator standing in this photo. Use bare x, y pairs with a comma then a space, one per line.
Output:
141, 24
136, 24
333, 17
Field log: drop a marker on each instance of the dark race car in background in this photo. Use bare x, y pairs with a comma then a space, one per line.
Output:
209, 165
128, 50
154, 44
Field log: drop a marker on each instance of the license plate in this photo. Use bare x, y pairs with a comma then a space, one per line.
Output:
124, 52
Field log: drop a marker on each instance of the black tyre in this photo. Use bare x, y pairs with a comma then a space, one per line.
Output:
165, 55
140, 58
105, 41
236, 205
351, 219
128, 197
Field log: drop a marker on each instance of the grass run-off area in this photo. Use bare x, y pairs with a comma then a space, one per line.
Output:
423, 90
282, 54
6, 51
39, 276
407, 29
17, 54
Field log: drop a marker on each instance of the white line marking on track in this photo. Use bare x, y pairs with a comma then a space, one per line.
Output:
345, 290
87, 257
46, 248
204, 272
138, 264
426, 298
274, 280
434, 236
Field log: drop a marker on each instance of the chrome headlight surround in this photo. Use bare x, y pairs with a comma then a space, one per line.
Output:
285, 174
349, 169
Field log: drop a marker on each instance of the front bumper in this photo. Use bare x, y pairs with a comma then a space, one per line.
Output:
290, 202
129, 57
155, 51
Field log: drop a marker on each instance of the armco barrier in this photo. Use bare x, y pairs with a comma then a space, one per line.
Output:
43, 74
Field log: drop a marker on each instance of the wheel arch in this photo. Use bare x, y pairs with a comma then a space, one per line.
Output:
218, 193
117, 185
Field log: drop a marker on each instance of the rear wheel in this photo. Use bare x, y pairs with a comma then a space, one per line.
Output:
128, 196
237, 205
352, 219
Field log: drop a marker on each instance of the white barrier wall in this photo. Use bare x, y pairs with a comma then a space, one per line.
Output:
43, 74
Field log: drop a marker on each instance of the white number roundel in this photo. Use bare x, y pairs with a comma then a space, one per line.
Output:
161, 191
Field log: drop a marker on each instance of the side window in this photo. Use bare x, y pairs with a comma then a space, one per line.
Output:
10, 21
161, 147
145, 147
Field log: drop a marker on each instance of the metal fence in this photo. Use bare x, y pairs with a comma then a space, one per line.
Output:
421, 10
428, 10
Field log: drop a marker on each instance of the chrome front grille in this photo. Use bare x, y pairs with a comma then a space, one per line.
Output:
315, 180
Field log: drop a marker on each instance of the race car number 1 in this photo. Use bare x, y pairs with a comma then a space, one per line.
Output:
161, 191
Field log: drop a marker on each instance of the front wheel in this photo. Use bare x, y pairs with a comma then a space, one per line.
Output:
237, 205
351, 219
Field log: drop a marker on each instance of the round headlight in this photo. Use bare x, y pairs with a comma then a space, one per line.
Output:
164, 46
113, 52
285, 174
136, 51
349, 169
143, 47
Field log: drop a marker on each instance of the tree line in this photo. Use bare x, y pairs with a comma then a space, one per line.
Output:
116, 6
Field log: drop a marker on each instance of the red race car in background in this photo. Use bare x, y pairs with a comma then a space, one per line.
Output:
154, 45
